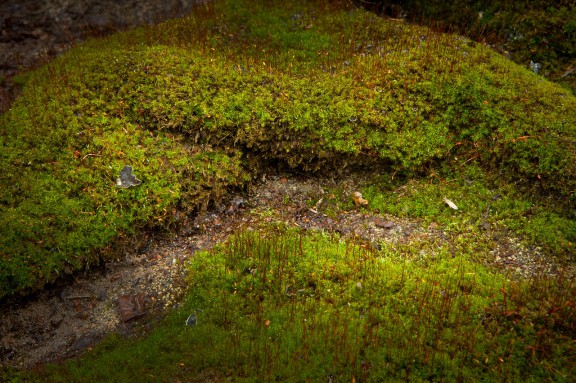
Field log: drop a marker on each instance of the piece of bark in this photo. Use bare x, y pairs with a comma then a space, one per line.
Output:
131, 307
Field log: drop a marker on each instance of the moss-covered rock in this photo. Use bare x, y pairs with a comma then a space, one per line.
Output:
198, 105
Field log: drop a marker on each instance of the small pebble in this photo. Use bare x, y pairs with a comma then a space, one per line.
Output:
383, 224
192, 320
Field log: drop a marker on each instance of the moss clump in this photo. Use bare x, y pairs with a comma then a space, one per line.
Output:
198, 104
64, 151
285, 306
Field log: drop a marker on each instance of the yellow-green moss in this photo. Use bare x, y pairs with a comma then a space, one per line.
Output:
280, 305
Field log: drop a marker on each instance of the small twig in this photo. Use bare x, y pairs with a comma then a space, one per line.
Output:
569, 71
223, 138
565, 140
468, 160
93, 154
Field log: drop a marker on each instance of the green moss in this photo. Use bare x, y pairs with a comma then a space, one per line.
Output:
61, 199
281, 305
198, 105
21, 78
526, 31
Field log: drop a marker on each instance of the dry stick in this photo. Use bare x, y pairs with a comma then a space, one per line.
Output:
93, 154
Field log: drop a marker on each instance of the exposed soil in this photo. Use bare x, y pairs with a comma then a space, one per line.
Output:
128, 295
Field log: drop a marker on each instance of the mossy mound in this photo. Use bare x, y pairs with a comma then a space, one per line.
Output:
198, 105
